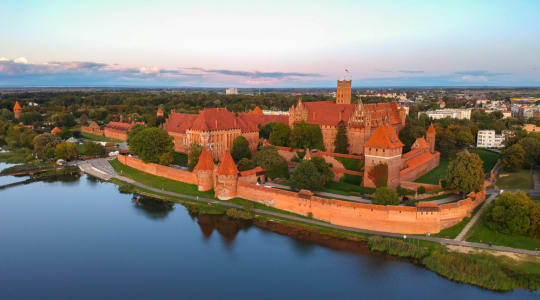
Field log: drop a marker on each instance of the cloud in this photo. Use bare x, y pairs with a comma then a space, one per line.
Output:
474, 78
480, 73
411, 71
257, 74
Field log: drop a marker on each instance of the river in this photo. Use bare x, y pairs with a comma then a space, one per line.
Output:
85, 240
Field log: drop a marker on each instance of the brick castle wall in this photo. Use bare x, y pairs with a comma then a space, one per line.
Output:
396, 219
159, 170
115, 134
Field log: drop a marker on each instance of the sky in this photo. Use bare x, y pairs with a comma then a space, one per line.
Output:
269, 43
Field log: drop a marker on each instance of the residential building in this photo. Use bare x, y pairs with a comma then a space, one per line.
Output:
231, 91
490, 139
455, 113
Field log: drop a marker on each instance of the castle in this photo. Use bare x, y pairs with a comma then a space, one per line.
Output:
360, 120
384, 147
216, 129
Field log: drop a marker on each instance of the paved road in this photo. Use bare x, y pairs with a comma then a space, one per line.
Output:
469, 225
97, 164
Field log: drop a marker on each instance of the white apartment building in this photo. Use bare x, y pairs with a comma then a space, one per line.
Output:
489, 139
231, 91
456, 113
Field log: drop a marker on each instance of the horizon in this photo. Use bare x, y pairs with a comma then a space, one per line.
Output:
210, 44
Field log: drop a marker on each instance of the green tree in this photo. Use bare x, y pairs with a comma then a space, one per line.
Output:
465, 173
133, 132
44, 142
531, 145
65, 151
240, 148
245, 164
307, 176
323, 168
264, 132
150, 143
386, 196
510, 213
166, 158
409, 134
341, 143
514, 157
275, 165
93, 149
194, 152
307, 136
445, 142
280, 134
31, 117
464, 138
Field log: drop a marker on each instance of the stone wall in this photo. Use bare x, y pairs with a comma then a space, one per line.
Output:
426, 218
115, 134
159, 170
415, 185
411, 174
396, 219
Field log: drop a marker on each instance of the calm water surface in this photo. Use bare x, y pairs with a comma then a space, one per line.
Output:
85, 240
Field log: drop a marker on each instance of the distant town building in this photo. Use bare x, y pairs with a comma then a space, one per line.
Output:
531, 128
231, 91
489, 139
17, 110
482, 101
441, 103
456, 113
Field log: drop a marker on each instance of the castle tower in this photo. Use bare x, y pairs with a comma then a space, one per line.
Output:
17, 109
344, 91
383, 147
226, 178
204, 171
430, 138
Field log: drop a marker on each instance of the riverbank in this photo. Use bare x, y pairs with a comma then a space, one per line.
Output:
470, 268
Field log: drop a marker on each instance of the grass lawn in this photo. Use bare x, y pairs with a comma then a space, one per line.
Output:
15, 157
159, 182
452, 232
521, 179
433, 176
489, 158
351, 163
99, 138
480, 233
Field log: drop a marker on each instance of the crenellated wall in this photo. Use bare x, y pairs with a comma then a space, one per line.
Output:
159, 170
426, 218
396, 219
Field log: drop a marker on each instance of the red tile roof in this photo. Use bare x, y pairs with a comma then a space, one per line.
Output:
227, 165
17, 106
384, 137
417, 161
330, 113
56, 130
431, 129
211, 119
256, 111
206, 162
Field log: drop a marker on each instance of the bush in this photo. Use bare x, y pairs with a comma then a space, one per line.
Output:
93, 149
240, 149
386, 196
469, 268
402, 248
307, 176
245, 164
405, 192
421, 190
194, 153
514, 213
275, 165
166, 159
66, 151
